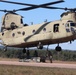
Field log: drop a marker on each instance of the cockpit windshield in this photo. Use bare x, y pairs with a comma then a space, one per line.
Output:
73, 24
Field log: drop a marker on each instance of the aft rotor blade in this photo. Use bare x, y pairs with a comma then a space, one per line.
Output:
71, 9
56, 8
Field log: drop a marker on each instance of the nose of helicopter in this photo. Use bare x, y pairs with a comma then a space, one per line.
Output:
73, 29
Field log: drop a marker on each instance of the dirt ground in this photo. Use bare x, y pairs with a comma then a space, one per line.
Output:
57, 65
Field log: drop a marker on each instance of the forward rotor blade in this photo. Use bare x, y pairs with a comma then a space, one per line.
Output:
1, 0
3, 10
39, 6
51, 3
48, 7
11, 11
32, 6
17, 3
29, 8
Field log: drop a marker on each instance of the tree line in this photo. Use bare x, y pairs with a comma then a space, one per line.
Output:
64, 55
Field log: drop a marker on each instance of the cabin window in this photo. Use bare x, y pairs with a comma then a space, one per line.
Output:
2, 34
19, 32
44, 29
56, 28
23, 33
13, 34
33, 31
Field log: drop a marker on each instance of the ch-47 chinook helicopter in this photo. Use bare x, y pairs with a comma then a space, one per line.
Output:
16, 34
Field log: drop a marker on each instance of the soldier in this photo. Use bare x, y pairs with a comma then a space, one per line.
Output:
49, 54
28, 54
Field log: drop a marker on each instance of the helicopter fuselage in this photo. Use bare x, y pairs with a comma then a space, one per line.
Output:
47, 33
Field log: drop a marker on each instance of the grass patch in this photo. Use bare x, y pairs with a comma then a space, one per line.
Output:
24, 70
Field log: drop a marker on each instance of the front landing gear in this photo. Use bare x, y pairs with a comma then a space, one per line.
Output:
58, 48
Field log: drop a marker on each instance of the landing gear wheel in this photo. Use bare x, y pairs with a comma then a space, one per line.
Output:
24, 50
58, 49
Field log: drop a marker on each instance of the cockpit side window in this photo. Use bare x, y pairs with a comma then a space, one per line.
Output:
67, 25
56, 28
73, 24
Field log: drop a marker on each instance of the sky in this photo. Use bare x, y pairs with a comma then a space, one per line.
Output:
40, 15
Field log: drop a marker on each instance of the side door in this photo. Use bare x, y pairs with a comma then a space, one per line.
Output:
56, 28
